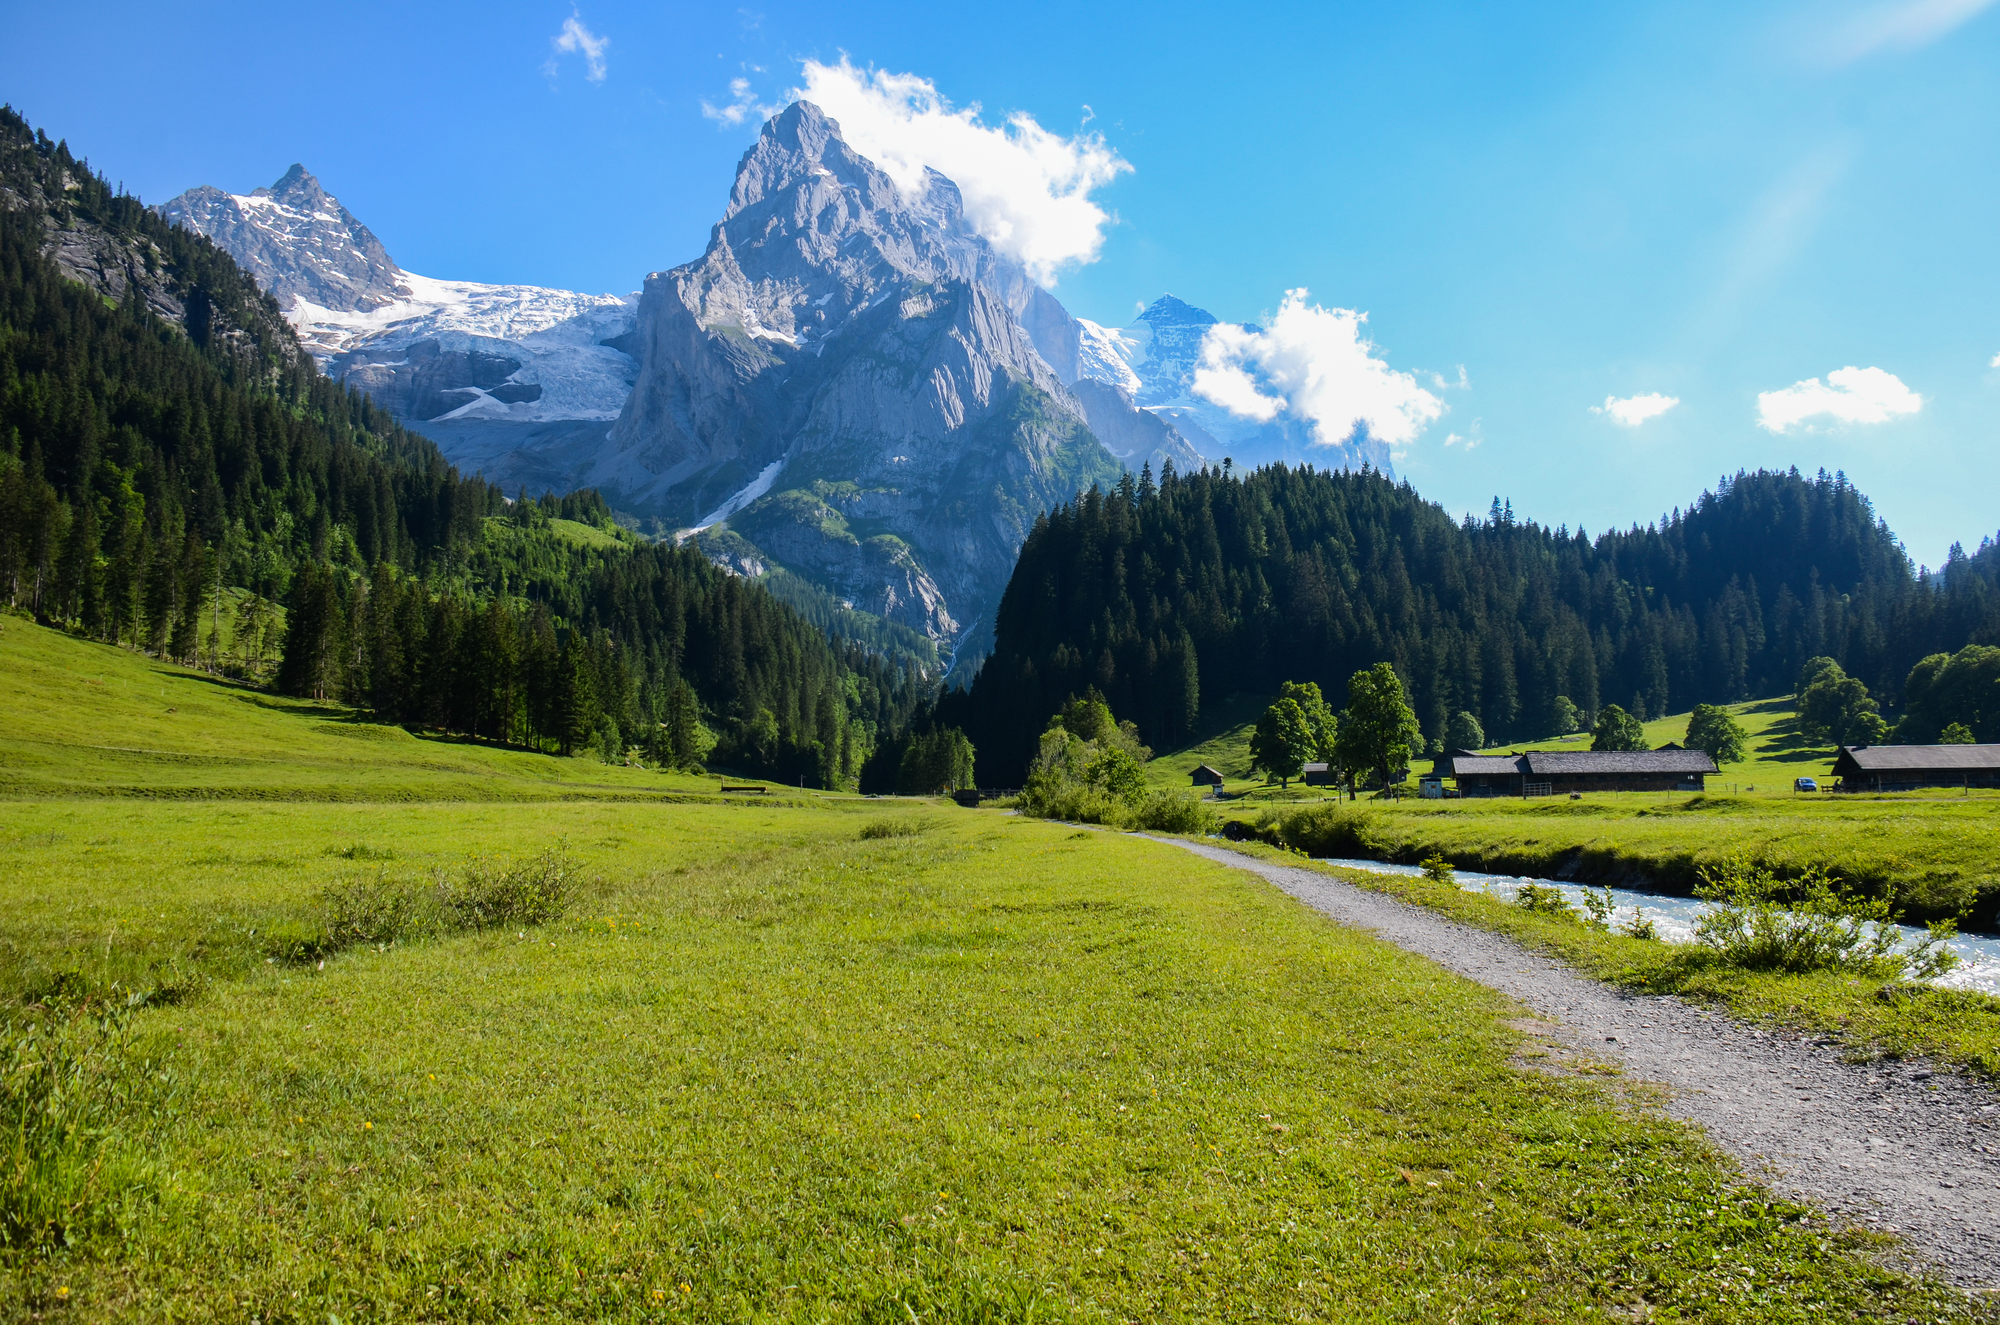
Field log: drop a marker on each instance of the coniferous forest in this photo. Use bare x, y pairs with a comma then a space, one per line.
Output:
166, 444
1208, 584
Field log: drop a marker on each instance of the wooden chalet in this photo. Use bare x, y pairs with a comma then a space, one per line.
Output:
1319, 775
1906, 767
1204, 776
1559, 772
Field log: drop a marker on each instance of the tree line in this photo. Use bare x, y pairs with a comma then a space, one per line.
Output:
1212, 584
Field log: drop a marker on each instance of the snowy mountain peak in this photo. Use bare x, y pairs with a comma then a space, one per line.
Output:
298, 241
428, 350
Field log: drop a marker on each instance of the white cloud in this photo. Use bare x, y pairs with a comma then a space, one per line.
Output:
1314, 364
1995, 363
1900, 25
576, 39
1849, 395
743, 105
1026, 190
1632, 411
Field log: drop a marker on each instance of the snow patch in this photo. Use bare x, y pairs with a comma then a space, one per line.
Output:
756, 488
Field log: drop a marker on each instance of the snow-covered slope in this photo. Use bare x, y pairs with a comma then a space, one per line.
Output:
1153, 361
428, 350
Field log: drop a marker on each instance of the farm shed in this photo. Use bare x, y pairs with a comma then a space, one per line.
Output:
1903, 767
1558, 772
1204, 776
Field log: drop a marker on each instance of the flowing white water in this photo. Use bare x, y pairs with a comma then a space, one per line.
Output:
1674, 917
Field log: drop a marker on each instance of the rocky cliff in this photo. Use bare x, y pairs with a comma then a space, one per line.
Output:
860, 385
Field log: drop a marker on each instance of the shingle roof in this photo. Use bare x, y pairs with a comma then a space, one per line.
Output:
1205, 773
1463, 765
1542, 762
1916, 758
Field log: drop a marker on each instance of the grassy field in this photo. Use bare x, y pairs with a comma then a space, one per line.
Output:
86, 719
825, 1060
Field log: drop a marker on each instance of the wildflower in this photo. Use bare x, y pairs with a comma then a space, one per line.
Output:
368, 1127
685, 1288
63, 1291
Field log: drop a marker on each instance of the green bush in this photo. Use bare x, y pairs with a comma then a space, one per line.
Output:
904, 825
382, 909
1324, 829
1544, 900
1438, 870
1759, 922
534, 892
1174, 810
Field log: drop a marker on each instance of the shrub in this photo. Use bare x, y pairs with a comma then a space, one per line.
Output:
1597, 908
1325, 829
904, 825
1079, 802
1438, 870
1174, 810
532, 893
1759, 922
387, 910
1544, 900
1641, 926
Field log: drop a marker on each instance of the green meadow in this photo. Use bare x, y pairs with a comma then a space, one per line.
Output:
815, 1058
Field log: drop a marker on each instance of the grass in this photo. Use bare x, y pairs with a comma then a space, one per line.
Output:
92, 720
813, 1060
1959, 1027
1936, 852
776, 1069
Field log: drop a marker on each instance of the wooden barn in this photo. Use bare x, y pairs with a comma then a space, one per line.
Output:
1204, 776
1906, 767
1559, 772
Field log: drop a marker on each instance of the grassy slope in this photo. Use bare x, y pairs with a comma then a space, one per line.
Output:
90, 719
773, 1069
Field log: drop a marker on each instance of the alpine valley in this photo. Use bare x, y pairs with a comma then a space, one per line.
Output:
851, 393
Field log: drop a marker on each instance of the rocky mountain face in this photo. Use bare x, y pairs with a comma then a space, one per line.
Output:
297, 240
1153, 361
864, 389
517, 382
112, 244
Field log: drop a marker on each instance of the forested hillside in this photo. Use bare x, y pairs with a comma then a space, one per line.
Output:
163, 437
1209, 584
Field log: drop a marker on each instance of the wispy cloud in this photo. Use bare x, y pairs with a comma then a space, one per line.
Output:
1026, 190
1849, 395
1995, 363
743, 105
1314, 364
576, 39
1901, 25
1631, 411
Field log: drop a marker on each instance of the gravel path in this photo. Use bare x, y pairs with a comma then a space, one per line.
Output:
1887, 1145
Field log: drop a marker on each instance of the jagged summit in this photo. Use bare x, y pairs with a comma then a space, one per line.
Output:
298, 241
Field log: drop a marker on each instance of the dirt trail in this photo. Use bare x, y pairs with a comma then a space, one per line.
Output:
1891, 1146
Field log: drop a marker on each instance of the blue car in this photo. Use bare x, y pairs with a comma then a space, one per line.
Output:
1806, 784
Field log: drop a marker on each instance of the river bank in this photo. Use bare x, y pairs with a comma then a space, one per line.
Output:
1936, 855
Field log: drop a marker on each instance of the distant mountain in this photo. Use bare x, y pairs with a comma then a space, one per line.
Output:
1153, 362
864, 390
494, 373
850, 385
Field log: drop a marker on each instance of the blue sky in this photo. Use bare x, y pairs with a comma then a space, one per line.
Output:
1573, 203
